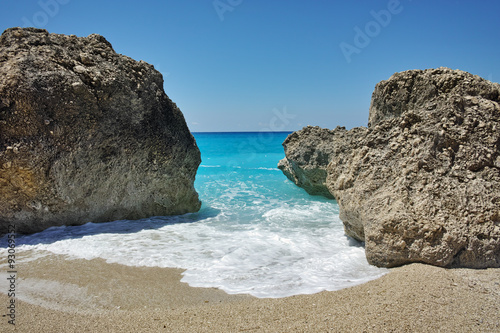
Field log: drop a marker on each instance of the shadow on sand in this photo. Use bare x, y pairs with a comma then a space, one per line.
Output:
55, 234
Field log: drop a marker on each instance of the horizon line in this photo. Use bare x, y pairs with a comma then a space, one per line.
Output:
242, 131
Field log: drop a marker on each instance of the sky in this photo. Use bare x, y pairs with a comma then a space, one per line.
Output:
259, 65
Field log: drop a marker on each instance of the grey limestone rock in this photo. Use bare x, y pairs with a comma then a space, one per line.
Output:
87, 134
422, 182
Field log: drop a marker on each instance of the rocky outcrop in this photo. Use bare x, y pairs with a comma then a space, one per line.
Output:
422, 182
307, 160
87, 134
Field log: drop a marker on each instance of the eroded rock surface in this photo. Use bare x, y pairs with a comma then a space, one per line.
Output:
422, 183
87, 134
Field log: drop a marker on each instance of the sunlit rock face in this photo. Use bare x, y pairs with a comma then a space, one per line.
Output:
422, 182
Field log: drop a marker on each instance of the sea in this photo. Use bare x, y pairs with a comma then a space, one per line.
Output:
256, 233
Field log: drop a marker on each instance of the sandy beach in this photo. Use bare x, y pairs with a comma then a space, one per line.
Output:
60, 295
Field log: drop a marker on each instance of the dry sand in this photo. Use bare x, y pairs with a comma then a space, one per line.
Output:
61, 295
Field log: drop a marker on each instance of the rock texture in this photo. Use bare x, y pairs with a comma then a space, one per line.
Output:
422, 182
87, 134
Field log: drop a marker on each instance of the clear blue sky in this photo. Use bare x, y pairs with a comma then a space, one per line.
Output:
251, 65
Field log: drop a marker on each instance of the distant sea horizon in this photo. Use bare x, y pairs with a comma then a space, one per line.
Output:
195, 132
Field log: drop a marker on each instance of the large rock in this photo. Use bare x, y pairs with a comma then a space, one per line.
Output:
87, 134
422, 183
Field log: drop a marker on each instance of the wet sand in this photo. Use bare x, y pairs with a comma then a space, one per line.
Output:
60, 295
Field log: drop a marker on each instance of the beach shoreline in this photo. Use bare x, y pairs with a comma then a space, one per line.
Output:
62, 295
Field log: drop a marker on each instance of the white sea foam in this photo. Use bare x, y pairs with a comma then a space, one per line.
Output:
270, 169
272, 257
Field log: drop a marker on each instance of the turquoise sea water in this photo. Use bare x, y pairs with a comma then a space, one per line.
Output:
256, 232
